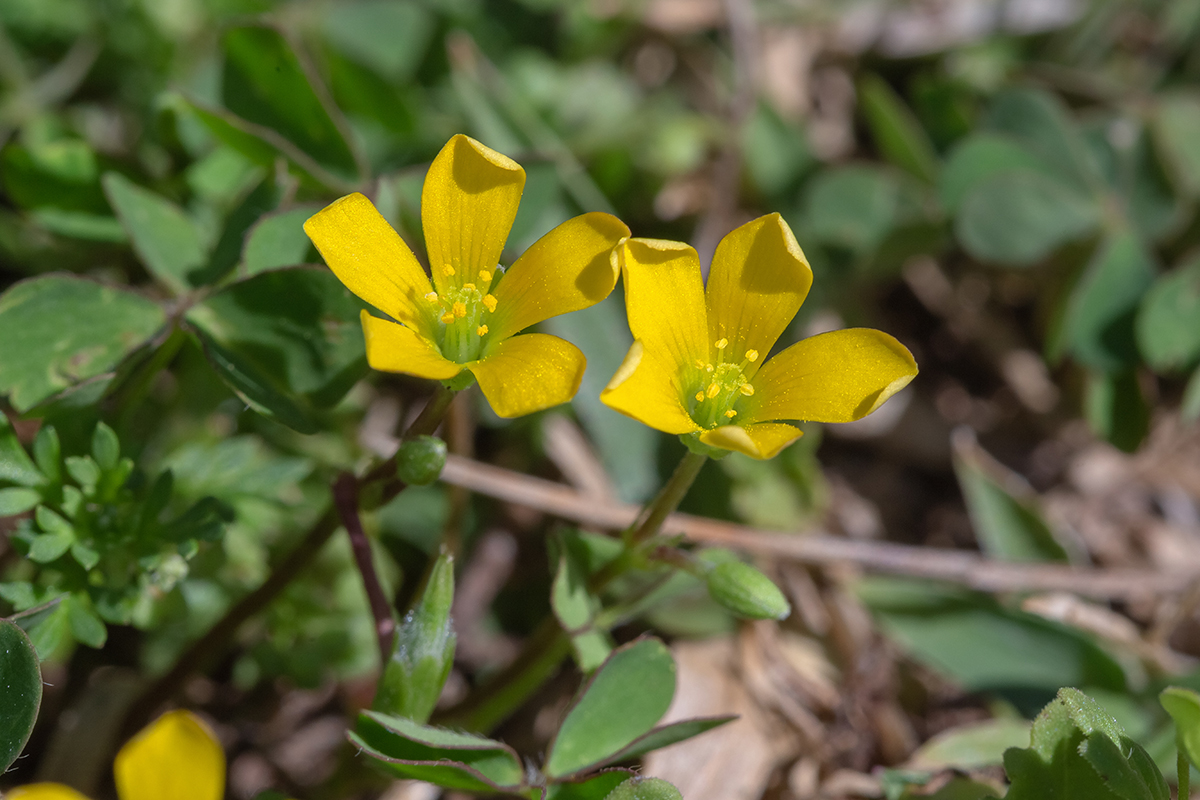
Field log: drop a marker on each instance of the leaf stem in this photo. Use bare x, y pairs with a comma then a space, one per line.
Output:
1183, 769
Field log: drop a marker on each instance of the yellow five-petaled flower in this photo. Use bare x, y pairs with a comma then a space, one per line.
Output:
466, 319
698, 363
174, 758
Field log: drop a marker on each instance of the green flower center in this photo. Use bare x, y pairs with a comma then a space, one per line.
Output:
716, 389
460, 315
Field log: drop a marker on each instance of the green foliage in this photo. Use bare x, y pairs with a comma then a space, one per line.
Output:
165, 240
21, 699
1184, 707
640, 788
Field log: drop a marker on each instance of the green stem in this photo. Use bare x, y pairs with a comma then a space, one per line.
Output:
669, 497
1183, 769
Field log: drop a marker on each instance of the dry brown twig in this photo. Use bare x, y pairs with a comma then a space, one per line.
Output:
821, 549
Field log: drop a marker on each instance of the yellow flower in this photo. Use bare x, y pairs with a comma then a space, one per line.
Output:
697, 361
176, 757
467, 318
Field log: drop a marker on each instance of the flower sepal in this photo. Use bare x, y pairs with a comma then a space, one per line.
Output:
692, 442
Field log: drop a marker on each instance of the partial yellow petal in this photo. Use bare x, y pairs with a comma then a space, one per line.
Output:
367, 255
528, 373
646, 388
395, 348
174, 758
571, 267
760, 440
664, 301
468, 205
839, 376
758, 280
44, 791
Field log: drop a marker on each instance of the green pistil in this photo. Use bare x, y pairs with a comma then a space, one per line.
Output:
460, 316
717, 389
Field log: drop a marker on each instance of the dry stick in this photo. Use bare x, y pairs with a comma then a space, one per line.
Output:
213, 643
954, 566
345, 500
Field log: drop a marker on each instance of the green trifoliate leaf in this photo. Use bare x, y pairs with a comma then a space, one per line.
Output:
21, 680
420, 460
746, 592
639, 788
413, 678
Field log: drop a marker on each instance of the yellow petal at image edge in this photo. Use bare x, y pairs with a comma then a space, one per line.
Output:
43, 791
395, 348
760, 440
528, 373
571, 267
664, 300
645, 388
468, 204
174, 758
370, 258
758, 281
838, 376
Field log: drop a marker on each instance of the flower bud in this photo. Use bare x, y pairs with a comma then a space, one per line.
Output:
746, 592
639, 788
420, 460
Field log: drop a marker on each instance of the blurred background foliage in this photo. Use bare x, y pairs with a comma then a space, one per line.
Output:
1010, 188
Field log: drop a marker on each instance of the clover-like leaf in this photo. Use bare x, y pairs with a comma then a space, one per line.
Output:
21, 680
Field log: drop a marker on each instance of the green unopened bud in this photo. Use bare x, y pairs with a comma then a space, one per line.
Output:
746, 592
639, 788
414, 676
420, 460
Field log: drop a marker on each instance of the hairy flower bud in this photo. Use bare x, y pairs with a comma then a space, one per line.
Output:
746, 592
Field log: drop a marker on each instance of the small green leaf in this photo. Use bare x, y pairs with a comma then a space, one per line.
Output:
639, 788
1184, 707
18, 500
1098, 327
47, 547
1040, 122
976, 159
164, 238
1019, 217
15, 464
86, 626
1116, 410
47, 452
388, 37
424, 654
1168, 321
84, 471
971, 746
60, 330
852, 207
746, 592
287, 341
667, 735
278, 240
105, 447
896, 131
620, 703
592, 788
449, 759
1176, 121
1189, 407
420, 460
575, 608
21, 679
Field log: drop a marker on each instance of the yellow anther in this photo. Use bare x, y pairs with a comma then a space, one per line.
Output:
752, 356
432, 297
447, 318
447, 270
490, 302
481, 330
708, 367
699, 396
746, 389
485, 276
699, 364
731, 413
722, 343
470, 286
713, 390
459, 309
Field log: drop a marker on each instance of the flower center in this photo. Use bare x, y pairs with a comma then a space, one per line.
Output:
461, 314
719, 387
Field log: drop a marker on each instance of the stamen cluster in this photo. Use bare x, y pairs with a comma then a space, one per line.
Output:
462, 313
719, 387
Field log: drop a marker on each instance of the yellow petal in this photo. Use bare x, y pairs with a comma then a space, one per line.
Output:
758, 280
44, 791
646, 388
174, 758
760, 440
369, 257
395, 348
839, 376
528, 373
571, 267
664, 301
468, 205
